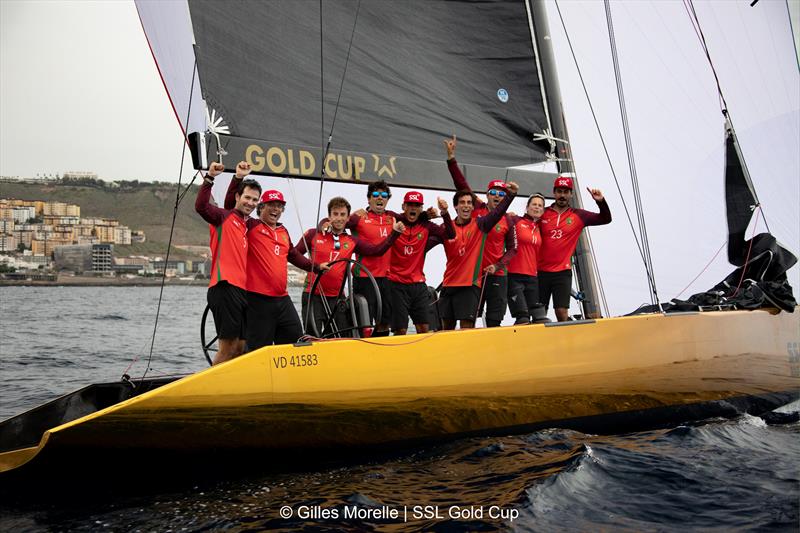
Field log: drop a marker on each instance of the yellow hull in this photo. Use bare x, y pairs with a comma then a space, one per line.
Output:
353, 393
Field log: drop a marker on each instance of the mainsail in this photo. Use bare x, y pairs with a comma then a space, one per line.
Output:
374, 85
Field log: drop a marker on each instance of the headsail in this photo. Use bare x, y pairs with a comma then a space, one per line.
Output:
397, 77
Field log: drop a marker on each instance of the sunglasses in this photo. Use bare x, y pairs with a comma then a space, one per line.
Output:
495, 192
381, 194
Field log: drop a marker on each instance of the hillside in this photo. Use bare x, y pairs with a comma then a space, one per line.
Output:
140, 206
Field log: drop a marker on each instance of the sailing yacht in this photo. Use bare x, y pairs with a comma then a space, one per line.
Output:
354, 91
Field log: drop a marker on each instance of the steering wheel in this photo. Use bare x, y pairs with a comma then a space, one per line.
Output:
209, 346
329, 314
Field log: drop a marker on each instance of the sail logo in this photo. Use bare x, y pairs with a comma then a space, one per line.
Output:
389, 169
502, 95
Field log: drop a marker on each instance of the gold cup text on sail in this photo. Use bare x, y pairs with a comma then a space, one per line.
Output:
299, 162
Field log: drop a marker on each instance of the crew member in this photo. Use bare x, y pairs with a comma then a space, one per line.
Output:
228, 227
523, 285
271, 315
501, 242
561, 227
462, 276
410, 296
330, 246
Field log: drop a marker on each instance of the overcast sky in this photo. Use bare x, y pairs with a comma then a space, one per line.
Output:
79, 91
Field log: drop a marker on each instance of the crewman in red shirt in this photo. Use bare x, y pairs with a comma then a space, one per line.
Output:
373, 226
228, 227
523, 285
271, 314
329, 246
501, 242
561, 226
410, 296
462, 276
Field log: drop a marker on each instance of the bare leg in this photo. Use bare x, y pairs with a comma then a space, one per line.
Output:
402, 331
228, 349
448, 323
467, 324
562, 314
422, 328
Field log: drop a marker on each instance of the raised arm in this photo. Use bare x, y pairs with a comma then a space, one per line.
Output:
596, 219
446, 230
242, 170
210, 213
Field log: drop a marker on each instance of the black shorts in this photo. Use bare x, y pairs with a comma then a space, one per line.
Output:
495, 297
363, 286
271, 320
410, 299
228, 303
459, 303
558, 284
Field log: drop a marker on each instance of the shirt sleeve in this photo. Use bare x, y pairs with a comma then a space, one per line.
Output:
301, 244
210, 213
444, 231
511, 242
230, 195
595, 219
460, 181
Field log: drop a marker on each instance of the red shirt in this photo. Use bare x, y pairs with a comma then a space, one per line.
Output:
501, 242
465, 250
560, 233
529, 241
408, 251
228, 229
372, 229
324, 246
270, 251
464, 254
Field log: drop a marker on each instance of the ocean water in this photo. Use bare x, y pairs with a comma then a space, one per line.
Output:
711, 475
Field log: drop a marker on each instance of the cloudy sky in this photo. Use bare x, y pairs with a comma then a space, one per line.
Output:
79, 91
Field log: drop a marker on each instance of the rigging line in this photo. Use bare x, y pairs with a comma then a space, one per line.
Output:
172, 226
631, 162
327, 145
602, 139
689, 5
599, 132
704, 269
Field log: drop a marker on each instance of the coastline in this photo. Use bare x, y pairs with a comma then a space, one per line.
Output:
89, 281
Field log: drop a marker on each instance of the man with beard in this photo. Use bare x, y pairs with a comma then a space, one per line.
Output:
462, 280
271, 315
409, 291
228, 227
330, 245
500, 245
561, 226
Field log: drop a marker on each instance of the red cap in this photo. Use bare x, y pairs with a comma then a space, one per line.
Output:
272, 196
497, 184
563, 182
413, 197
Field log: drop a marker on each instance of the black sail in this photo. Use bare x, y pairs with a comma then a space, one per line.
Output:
397, 77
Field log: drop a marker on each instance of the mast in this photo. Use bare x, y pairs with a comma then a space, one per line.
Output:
584, 262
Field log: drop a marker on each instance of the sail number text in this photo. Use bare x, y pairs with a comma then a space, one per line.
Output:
299, 361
